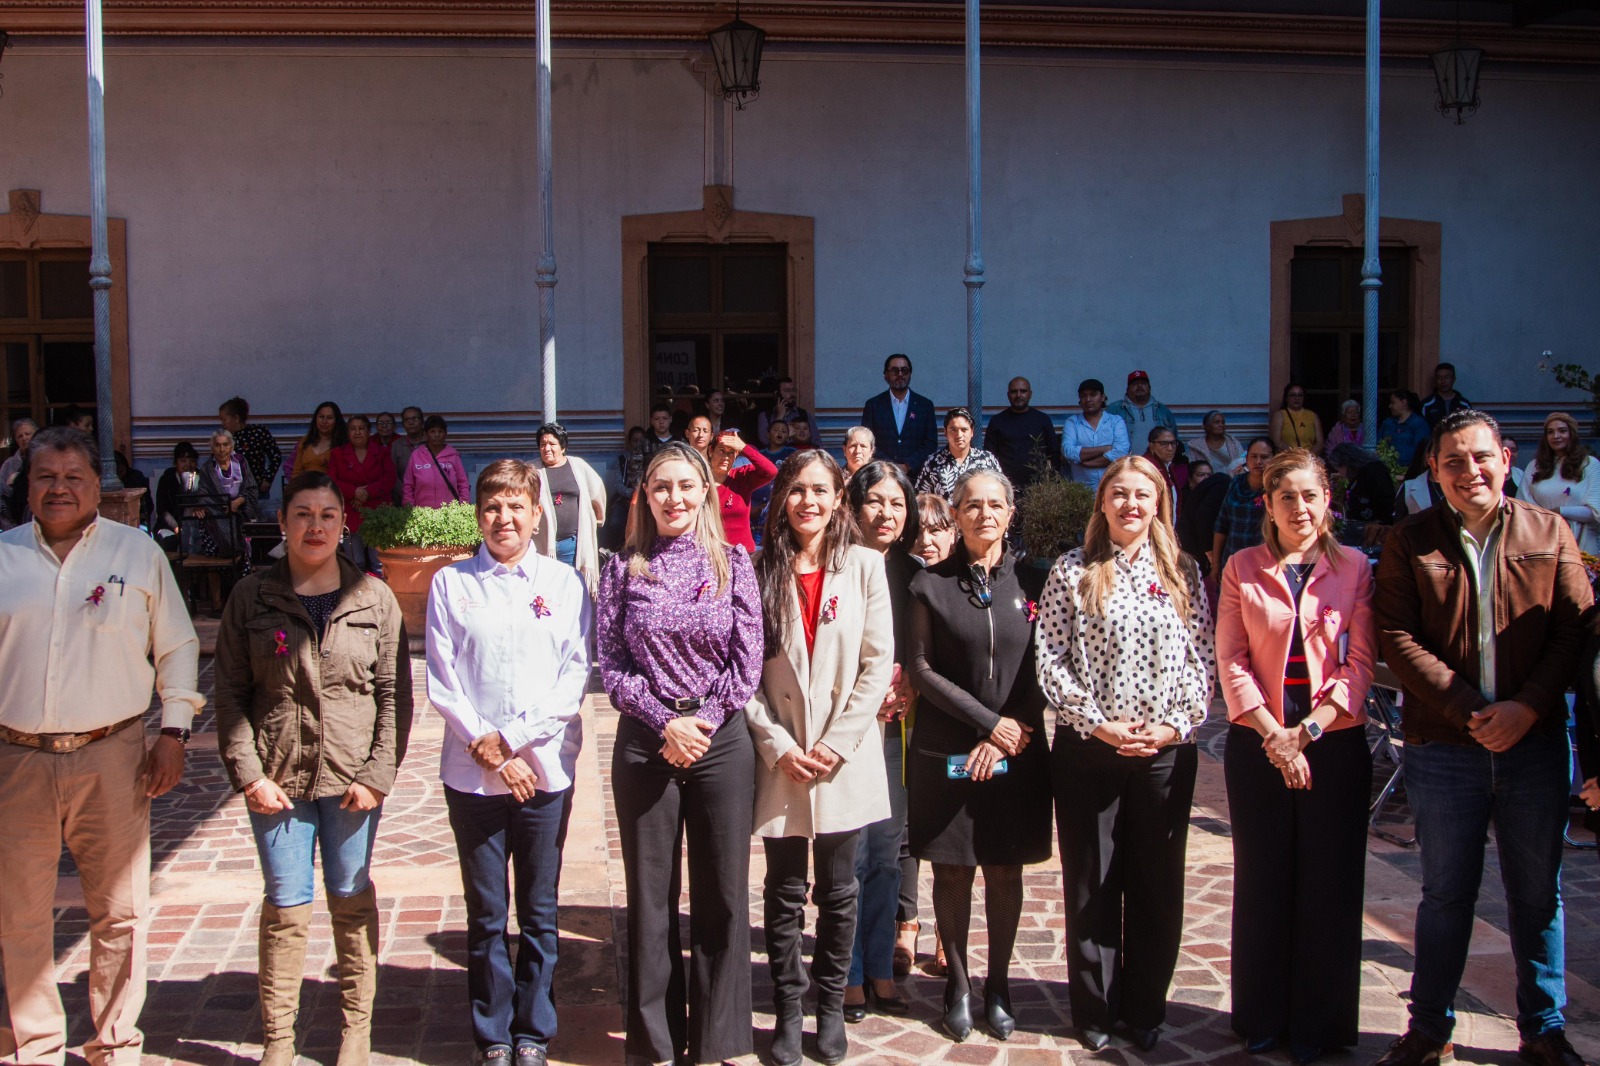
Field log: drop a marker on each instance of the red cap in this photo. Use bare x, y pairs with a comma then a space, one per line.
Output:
1138, 375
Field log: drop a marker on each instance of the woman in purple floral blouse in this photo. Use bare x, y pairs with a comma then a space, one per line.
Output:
680, 645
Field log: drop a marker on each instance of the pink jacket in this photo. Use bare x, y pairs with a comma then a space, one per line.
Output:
1254, 620
428, 480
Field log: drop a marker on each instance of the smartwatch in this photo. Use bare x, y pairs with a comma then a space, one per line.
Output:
1313, 730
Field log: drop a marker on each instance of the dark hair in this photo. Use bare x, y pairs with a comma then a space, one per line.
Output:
184, 450
892, 358
1413, 401
1444, 366
1284, 399
786, 380
309, 481
1572, 462
385, 414
341, 435
1350, 457
1419, 460
631, 431
1091, 385
775, 563
73, 414
661, 405
435, 420
959, 412
552, 429
1268, 441
237, 406
867, 478
411, 407
1159, 428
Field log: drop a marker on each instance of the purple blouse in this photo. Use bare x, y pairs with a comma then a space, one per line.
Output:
674, 638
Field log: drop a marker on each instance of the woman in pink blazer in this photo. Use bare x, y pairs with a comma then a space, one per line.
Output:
435, 474
1295, 654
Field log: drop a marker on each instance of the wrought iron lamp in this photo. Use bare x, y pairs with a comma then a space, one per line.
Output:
736, 50
1455, 73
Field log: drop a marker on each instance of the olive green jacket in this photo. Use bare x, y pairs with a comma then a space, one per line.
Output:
312, 717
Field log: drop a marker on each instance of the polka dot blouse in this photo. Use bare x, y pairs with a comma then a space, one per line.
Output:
1137, 661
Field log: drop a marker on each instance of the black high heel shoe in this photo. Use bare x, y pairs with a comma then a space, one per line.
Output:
997, 1014
883, 1004
1093, 1038
1261, 1045
957, 1018
855, 1012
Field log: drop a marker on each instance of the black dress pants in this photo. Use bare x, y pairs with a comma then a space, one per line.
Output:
784, 902
1299, 875
710, 804
1123, 826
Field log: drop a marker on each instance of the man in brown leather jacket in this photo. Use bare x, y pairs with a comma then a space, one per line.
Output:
1479, 603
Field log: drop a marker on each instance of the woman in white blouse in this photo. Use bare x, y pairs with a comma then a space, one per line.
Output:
1125, 658
1564, 477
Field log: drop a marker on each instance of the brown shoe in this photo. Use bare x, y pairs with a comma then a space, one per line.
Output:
905, 947
1414, 1049
938, 967
1550, 1049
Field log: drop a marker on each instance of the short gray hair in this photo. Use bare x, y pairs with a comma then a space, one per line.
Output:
217, 434
959, 493
1349, 404
66, 439
20, 422
861, 431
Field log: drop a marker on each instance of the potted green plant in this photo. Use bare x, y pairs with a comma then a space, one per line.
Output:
414, 543
1574, 376
1054, 514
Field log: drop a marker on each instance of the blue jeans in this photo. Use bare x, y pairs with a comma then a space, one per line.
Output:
567, 550
1456, 793
288, 840
507, 1008
878, 879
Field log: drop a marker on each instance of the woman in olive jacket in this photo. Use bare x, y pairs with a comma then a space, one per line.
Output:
313, 711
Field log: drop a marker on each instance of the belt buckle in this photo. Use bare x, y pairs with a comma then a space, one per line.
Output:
687, 705
58, 743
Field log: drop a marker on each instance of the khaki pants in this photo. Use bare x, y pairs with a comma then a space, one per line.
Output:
93, 799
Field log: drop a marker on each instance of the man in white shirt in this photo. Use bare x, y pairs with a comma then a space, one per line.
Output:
508, 662
1093, 440
90, 619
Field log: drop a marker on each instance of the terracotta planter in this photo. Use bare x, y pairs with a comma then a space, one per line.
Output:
409, 572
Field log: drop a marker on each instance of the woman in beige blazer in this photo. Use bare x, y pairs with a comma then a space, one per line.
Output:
829, 636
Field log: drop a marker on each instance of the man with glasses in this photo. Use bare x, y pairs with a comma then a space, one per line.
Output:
1162, 451
901, 421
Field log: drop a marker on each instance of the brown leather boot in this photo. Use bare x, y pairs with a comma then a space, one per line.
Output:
281, 967
355, 946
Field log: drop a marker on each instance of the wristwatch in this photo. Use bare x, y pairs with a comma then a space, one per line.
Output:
1313, 730
180, 735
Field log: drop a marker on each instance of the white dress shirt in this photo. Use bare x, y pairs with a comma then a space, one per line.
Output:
508, 651
900, 407
71, 665
1077, 434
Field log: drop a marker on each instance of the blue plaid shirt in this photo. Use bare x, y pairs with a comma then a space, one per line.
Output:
1239, 521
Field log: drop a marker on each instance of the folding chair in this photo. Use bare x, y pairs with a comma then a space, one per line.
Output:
1389, 743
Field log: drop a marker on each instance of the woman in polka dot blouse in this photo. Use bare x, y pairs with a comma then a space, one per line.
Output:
1125, 658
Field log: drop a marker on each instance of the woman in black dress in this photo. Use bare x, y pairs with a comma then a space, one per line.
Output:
979, 776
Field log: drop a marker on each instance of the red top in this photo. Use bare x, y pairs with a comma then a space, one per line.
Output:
734, 493
376, 475
810, 604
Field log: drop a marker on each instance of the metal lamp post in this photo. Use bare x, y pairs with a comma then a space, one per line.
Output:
974, 261
100, 255
736, 50
545, 272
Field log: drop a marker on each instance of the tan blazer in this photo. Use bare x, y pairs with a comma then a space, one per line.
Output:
831, 696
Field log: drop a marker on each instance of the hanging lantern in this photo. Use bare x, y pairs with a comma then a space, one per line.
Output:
736, 50
1455, 70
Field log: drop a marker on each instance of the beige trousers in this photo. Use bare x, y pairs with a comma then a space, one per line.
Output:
94, 800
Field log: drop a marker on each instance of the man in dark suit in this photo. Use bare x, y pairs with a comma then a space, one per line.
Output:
902, 421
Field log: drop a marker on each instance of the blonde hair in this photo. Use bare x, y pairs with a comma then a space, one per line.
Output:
708, 532
1279, 467
1177, 570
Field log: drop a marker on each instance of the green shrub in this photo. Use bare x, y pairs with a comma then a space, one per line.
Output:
455, 525
1055, 512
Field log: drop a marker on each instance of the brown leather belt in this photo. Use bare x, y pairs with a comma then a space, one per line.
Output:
62, 743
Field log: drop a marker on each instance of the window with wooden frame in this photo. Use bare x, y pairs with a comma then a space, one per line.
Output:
718, 318
1326, 326
46, 334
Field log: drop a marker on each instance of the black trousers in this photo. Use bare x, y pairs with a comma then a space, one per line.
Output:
1299, 875
1123, 825
784, 903
711, 805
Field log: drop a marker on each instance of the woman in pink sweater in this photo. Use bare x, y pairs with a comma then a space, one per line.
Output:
435, 474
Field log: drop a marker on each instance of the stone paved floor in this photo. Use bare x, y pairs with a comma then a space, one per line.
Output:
202, 1006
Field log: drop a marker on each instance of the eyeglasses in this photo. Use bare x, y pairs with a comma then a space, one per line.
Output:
898, 371
1164, 443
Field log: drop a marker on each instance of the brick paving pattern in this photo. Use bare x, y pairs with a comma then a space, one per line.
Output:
202, 1005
